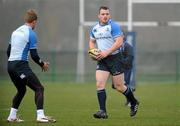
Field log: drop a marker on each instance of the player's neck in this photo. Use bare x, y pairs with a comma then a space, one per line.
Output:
29, 24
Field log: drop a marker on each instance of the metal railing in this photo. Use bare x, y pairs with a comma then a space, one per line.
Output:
150, 66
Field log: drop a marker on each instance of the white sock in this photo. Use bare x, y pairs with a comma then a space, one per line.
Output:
40, 113
13, 113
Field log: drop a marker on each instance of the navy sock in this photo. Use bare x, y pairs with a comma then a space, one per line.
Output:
102, 99
130, 96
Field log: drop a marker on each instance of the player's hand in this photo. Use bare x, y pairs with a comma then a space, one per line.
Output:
45, 67
103, 54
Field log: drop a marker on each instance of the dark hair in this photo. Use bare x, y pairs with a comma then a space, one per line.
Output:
30, 16
103, 8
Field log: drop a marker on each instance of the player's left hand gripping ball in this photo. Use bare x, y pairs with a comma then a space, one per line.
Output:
93, 53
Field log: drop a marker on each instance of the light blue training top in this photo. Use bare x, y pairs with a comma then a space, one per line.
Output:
22, 40
105, 35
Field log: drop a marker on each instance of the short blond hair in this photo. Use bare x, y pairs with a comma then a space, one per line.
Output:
30, 16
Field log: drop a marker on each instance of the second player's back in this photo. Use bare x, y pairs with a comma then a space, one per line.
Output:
20, 43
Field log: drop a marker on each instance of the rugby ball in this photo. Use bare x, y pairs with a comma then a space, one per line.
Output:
93, 53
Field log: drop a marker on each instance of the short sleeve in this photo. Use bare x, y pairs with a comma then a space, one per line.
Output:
32, 39
116, 30
91, 34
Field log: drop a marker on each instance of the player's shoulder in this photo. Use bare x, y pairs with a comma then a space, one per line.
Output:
23, 29
115, 26
19, 30
113, 23
32, 33
95, 27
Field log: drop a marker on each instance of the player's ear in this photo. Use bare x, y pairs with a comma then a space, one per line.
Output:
98, 15
35, 21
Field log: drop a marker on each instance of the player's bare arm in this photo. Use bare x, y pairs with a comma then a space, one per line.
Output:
92, 43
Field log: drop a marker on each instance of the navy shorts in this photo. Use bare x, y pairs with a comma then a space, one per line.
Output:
22, 75
111, 64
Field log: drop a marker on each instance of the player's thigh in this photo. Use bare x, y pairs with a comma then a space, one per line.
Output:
101, 78
33, 82
19, 83
118, 79
18, 79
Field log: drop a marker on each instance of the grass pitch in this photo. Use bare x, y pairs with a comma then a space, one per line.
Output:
74, 104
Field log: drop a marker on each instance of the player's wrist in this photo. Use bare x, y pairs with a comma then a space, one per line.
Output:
41, 63
108, 52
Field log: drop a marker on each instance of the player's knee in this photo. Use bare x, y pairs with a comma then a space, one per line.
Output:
22, 91
100, 85
40, 89
120, 87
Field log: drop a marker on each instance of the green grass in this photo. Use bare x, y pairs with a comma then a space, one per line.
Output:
74, 104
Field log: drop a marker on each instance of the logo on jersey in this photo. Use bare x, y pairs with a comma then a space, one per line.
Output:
100, 34
103, 37
107, 29
95, 30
